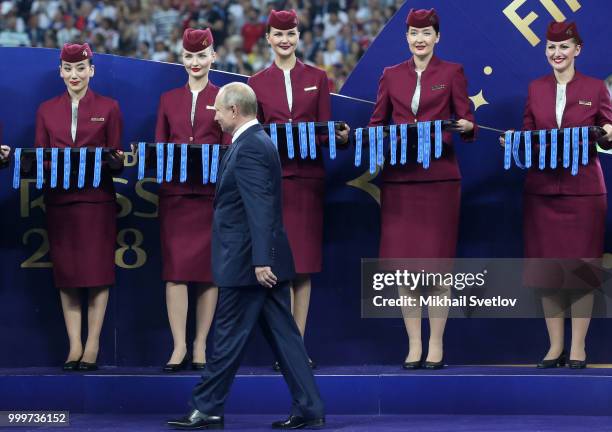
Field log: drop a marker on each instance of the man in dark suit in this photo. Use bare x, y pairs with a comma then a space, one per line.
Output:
252, 264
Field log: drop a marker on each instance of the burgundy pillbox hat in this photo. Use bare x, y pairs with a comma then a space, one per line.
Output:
195, 40
283, 20
560, 31
421, 18
74, 53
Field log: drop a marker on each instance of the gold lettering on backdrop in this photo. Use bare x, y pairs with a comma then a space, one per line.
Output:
125, 205
147, 196
130, 158
41, 252
141, 255
522, 23
25, 205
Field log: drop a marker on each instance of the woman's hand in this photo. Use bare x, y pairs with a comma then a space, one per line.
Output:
463, 126
116, 159
4, 152
342, 133
502, 139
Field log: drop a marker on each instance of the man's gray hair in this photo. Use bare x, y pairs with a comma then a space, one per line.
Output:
242, 96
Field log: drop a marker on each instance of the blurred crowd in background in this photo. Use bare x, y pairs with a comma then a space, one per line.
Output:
334, 34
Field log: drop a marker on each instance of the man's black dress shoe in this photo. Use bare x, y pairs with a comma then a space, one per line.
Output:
298, 422
433, 365
87, 367
411, 365
553, 363
197, 366
276, 365
197, 420
175, 367
577, 364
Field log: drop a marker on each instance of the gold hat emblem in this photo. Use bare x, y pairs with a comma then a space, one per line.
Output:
84, 53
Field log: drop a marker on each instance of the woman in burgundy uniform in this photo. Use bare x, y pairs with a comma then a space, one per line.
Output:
186, 115
291, 91
564, 215
81, 223
420, 207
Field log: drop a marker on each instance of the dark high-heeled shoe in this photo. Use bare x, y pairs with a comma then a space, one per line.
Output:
276, 366
434, 365
312, 364
411, 365
71, 366
197, 366
553, 363
577, 364
87, 367
176, 367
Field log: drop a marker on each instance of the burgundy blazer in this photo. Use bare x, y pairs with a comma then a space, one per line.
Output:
587, 104
174, 126
311, 102
99, 124
443, 97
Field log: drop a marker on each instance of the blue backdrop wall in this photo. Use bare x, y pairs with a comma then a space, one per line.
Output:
499, 45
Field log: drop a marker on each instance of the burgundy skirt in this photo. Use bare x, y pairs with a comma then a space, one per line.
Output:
185, 223
419, 219
82, 238
563, 227
303, 200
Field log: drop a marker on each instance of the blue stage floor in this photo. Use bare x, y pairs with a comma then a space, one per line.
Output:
357, 423
471, 392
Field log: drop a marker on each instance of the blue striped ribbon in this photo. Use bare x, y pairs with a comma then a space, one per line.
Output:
516, 143
289, 133
358, 145
331, 130
159, 151
566, 147
542, 142
553, 148
426, 144
205, 150
169, 161
274, 134
575, 150
585, 145
183, 175
39, 167
17, 169
508, 150
67, 168
393, 143
380, 143
215, 163
372, 142
527, 149
141, 159
82, 167
312, 140
303, 140
420, 142
438, 137
97, 167
54, 157
404, 137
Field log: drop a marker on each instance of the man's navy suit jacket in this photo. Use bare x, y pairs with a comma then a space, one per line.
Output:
248, 223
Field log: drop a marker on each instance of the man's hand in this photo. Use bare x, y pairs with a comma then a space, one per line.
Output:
265, 277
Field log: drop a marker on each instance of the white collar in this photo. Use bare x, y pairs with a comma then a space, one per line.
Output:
242, 128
